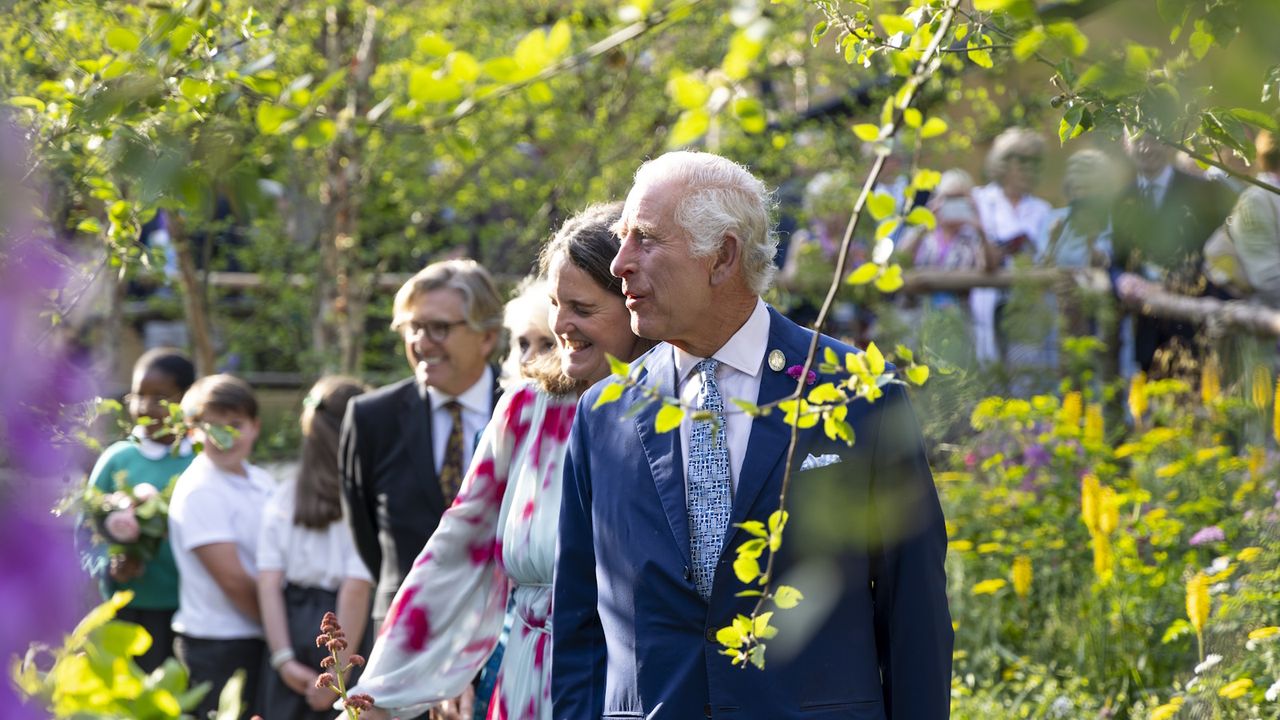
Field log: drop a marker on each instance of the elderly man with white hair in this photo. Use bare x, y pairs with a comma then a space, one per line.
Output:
650, 521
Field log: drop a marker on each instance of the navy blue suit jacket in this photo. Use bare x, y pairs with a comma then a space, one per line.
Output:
633, 639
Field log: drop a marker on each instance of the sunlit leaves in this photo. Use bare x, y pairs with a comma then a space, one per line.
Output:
430, 86
691, 125
271, 118
866, 132
750, 114
688, 90
881, 204
433, 45
1076, 121
669, 418
122, 39
922, 216
609, 393
787, 597
932, 128
864, 274
890, 280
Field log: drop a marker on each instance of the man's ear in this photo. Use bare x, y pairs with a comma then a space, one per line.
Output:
725, 262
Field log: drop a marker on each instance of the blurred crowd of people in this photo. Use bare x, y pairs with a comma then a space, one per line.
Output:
1151, 220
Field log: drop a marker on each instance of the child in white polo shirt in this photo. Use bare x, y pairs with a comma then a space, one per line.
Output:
214, 518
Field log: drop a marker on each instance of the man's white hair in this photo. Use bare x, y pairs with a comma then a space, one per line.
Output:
722, 197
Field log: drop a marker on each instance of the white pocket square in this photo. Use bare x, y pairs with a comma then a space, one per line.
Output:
812, 461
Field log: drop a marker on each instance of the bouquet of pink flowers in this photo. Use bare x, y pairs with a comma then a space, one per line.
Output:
131, 521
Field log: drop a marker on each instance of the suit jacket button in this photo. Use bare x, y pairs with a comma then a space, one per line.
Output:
711, 637
688, 574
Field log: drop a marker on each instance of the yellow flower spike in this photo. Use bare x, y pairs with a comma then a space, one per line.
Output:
1089, 491
1108, 511
1138, 397
1093, 425
1210, 381
1198, 606
1261, 386
1236, 688
1103, 558
1249, 554
1264, 633
1022, 575
1257, 459
989, 587
1071, 409
1275, 413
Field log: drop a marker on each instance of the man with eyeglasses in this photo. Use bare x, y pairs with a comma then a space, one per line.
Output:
405, 448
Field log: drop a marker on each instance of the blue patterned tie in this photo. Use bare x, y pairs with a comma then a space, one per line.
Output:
710, 491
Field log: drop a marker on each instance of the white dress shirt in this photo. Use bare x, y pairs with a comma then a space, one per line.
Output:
1156, 188
477, 407
738, 377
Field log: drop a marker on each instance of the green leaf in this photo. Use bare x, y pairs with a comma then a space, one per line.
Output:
270, 118
463, 67
1255, 118
762, 629
750, 114
864, 274
122, 39
886, 228
837, 428
196, 91
688, 91
691, 125
891, 280
825, 394
730, 637
933, 127
787, 597
24, 101
905, 353
778, 522
539, 93
752, 548
981, 58
101, 615
502, 69
746, 406
229, 699
180, 37
753, 527
669, 418
881, 204
894, 24
558, 38
122, 639
89, 226
867, 132
1070, 125
747, 568
617, 367
425, 87
1029, 43
609, 393
922, 216
918, 374
1200, 41
875, 359
1066, 34
818, 31
912, 117
926, 179
433, 45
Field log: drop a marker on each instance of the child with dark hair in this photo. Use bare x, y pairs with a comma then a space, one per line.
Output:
214, 518
147, 462
308, 564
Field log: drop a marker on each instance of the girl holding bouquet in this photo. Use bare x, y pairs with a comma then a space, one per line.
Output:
127, 476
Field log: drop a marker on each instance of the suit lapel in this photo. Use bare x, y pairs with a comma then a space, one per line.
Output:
415, 419
767, 446
666, 461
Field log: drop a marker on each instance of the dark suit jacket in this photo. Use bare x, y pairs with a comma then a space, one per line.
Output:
1171, 238
391, 495
866, 544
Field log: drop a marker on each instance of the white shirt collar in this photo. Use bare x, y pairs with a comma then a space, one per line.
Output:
153, 450
475, 398
1160, 182
743, 352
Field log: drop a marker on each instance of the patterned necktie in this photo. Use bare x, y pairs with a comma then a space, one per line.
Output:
451, 468
710, 491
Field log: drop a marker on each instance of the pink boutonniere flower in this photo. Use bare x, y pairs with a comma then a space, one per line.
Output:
795, 370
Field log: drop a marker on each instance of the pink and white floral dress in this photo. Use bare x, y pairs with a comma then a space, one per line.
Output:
498, 539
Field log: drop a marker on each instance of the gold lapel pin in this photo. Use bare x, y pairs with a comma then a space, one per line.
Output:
776, 360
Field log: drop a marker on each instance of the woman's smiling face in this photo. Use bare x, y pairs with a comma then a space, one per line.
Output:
589, 322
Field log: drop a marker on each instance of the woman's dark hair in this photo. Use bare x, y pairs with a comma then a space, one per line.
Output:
589, 242
170, 362
317, 501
